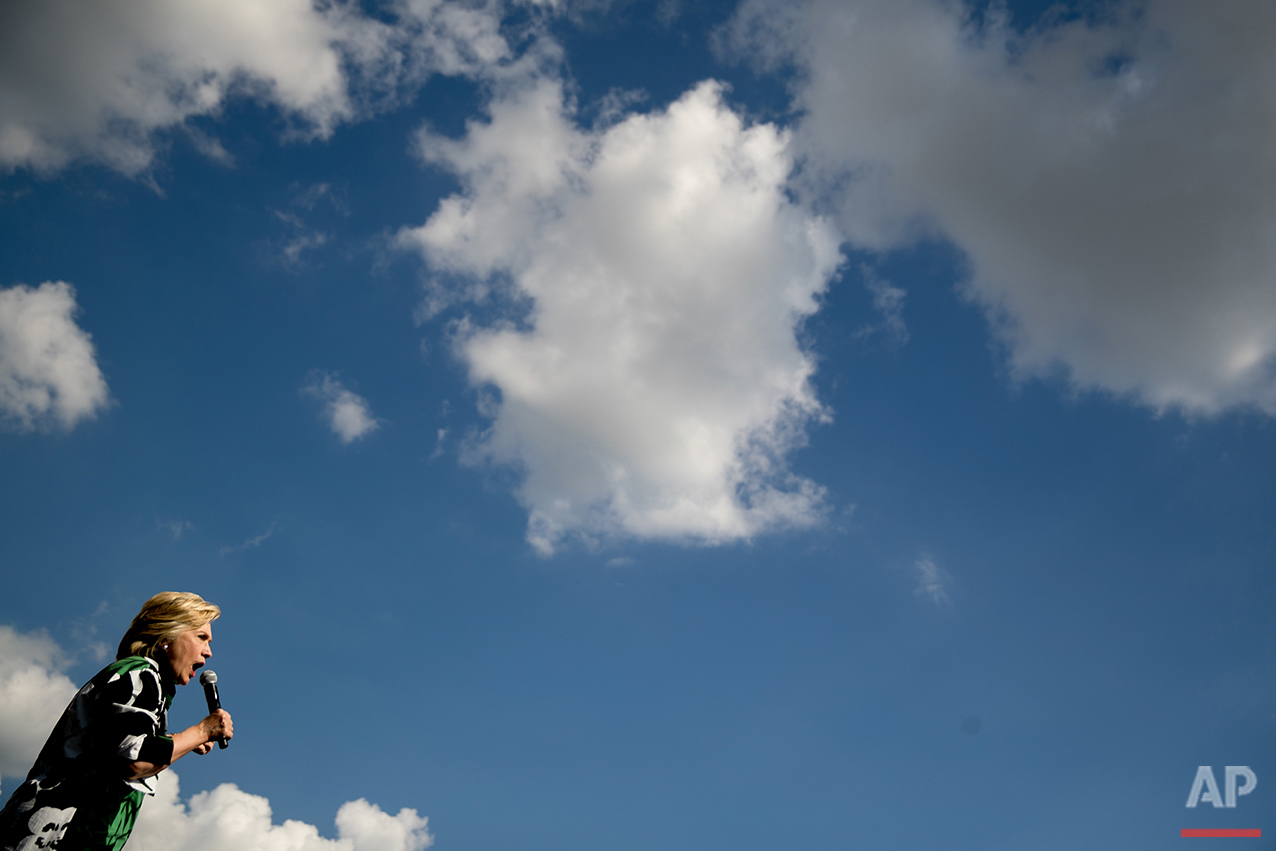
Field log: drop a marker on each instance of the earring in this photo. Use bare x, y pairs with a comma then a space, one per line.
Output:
165, 646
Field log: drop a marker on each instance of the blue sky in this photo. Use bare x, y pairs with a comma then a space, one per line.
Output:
870, 449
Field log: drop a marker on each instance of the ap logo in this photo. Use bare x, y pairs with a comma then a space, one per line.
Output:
1204, 787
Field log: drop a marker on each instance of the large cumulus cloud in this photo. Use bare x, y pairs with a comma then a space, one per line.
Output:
1112, 181
229, 819
657, 383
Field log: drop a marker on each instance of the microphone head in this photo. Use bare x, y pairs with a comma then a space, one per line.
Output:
208, 678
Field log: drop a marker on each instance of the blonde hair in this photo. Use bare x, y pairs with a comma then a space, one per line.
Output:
164, 617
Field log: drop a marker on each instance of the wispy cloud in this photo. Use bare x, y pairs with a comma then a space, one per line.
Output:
347, 412
176, 528
888, 301
930, 581
303, 237
311, 196
438, 444
307, 240
251, 543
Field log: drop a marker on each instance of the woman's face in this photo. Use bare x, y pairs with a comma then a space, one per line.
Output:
187, 652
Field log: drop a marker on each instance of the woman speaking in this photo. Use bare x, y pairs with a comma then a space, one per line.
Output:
86, 786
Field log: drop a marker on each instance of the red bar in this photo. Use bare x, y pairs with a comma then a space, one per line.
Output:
1225, 831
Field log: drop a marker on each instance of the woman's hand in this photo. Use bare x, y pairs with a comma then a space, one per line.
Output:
217, 726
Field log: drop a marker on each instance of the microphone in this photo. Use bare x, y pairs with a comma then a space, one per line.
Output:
208, 680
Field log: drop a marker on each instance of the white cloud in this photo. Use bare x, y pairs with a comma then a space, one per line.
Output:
48, 372
888, 300
33, 693
249, 544
176, 527
656, 385
1112, 183
229, 819
930, 581
347, 412
99, 81
302, 238
302, 242
441, 436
